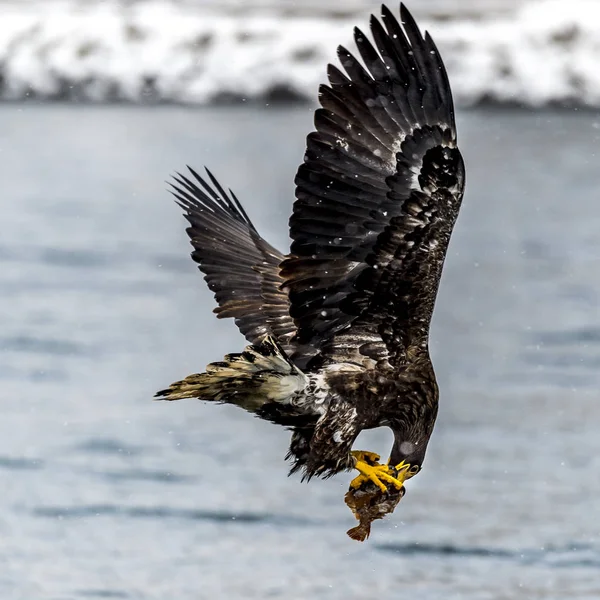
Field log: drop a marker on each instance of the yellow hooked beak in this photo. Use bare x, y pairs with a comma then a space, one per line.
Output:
404, 470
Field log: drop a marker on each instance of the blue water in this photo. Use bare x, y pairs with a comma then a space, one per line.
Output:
106, 494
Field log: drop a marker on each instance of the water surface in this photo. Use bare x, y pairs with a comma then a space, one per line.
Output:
107, 494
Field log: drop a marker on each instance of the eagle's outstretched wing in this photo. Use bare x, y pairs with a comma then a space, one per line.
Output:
240, 267
376, 199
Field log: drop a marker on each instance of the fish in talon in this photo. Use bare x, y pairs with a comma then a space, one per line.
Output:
368, 503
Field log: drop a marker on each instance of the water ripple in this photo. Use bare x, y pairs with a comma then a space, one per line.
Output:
20, 464
32, 345
102, 594
144, 475
581, 335
444, 550
75, 258
109, 446
164, 512
573, 555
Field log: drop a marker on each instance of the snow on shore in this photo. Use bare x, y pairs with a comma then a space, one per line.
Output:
544, 52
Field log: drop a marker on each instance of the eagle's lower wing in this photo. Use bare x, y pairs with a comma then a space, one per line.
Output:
376, 198
239, 266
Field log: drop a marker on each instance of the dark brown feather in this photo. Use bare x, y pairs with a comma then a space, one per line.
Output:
376, 199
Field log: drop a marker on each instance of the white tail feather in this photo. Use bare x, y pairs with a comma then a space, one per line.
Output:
261, 373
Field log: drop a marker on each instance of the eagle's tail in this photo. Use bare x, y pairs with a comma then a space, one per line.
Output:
259, 375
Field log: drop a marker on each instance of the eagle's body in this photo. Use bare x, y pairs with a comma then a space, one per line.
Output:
339, 327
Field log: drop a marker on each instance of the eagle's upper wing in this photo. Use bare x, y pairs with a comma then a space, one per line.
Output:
239, 266
376, 199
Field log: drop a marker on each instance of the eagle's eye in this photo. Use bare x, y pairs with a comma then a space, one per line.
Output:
414, 470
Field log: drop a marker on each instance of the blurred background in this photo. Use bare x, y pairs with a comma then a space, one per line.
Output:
106, 494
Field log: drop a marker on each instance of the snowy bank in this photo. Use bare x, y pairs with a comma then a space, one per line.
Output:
543, 52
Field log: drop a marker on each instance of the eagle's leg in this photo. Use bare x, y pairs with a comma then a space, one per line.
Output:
366, 463
371, 458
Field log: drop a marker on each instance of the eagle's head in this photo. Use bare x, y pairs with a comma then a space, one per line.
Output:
407, 457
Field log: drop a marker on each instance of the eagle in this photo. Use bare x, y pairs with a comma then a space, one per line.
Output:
338, 328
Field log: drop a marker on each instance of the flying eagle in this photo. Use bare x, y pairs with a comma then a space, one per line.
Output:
338, 328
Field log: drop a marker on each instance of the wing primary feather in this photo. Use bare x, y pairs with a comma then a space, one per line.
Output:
396, 68
356, 72
336, 77
207, 189
371, 58
241, 209
423, 59
228, 200
221, 198
442, 83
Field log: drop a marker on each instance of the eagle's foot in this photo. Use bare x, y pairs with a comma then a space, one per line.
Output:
371, 458
366, 463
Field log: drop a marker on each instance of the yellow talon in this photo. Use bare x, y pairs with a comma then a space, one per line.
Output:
371, 458
370, 470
